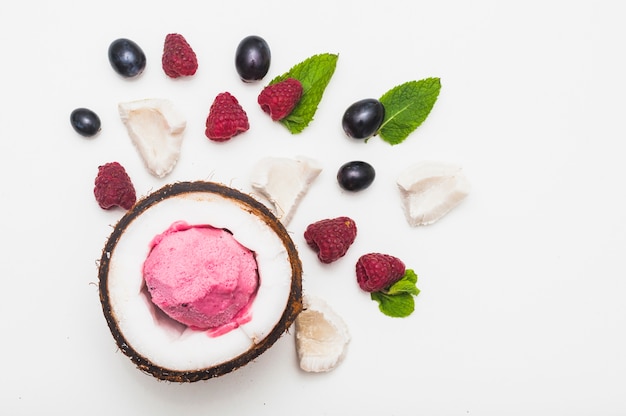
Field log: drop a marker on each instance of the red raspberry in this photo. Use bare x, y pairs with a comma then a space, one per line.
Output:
331, 238
376, 271
226, 118
178, 58
113, 187
279, 100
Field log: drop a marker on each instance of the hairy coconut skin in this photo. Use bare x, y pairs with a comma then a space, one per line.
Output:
254, 207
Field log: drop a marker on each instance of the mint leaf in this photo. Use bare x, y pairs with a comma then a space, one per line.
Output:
397, 301
410, 275
406, 107
314, 74
396, 306
403, 286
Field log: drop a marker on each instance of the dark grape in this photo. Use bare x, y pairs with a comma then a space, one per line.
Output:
252, 58
127, 58
355, 176
85, 122
363, 118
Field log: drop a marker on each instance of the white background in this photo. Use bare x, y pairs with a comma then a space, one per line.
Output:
522, 308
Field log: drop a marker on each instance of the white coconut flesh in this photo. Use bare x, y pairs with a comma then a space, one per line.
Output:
156, 129
284, 182
430, 190
166, 343
322, 336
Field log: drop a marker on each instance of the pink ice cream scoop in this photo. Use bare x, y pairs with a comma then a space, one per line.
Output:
201, 276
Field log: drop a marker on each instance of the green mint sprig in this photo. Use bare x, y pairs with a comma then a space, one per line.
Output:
314, 74
398, 300
406, 107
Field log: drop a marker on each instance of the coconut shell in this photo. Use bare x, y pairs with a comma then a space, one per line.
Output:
292, 309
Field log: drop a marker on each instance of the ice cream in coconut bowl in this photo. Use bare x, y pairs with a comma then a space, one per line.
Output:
197, 279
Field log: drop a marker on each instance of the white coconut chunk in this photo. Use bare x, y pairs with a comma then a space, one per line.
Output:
322, 336
156, 129
430, 190
284, 182
169, 344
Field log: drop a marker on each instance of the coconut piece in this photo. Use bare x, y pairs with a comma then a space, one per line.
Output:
321, 336
165, 348
156, 129
430, 190
284, 182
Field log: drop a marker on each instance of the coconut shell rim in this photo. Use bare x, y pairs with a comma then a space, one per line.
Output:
291, 311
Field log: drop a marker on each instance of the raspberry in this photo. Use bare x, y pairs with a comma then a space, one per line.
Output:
331, 238
279, 100
376, 271
113, 187
178, 58
226, 118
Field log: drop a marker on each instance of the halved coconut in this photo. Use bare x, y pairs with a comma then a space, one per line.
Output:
169, 350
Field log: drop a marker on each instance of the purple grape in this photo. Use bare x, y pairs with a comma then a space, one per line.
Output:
355, 176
